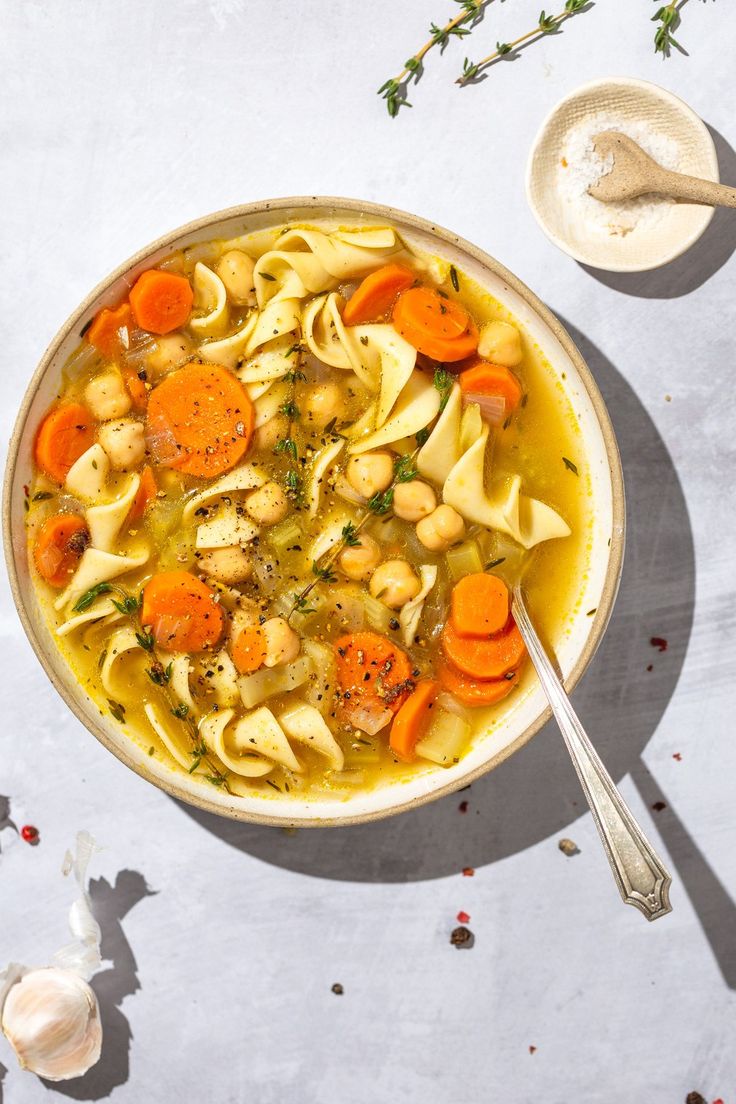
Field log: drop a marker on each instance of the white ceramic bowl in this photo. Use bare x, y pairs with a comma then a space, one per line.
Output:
629, 100
575, 647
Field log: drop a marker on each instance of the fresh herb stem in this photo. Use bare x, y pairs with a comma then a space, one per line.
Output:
287, 445
394, 90
668, 19
130, 607
546, 24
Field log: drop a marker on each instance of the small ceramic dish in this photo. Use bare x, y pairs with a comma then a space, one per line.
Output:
577, 640
655, 241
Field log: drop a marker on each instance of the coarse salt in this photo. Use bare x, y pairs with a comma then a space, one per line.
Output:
580, 167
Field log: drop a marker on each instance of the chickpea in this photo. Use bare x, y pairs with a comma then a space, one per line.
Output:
228, 565
442, 528
106, 396
124, 442
414, 500
322, 403
268, 504
235, 269
370, 473
501, 343
360, 561
272, 431
169, 351
394, 583
282, 643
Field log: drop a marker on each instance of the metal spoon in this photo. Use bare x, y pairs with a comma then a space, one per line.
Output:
634, 173
642, 878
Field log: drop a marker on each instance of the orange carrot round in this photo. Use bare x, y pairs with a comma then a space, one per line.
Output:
145, 494
436, 326
199, 420
412, 719
249, 650
65, 433
374, 676
483, 378
136, 388
373, 298
104, 332
491, 658
182, 612
59, 545
479, 605
161, 301
470, 691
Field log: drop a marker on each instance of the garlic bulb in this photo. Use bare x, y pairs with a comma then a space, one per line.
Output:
50, 1015
52, 1021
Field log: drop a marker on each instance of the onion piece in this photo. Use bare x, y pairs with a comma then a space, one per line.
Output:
492, 407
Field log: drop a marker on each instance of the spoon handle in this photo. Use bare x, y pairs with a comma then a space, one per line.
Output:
692, 188
642, 878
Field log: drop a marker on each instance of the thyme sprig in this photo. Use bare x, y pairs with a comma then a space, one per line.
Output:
546, 24
668, 20
287, 446
130, 606
394, 90
322, 567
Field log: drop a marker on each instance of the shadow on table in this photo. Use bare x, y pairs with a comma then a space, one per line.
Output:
535, 794
698, 264
111, 903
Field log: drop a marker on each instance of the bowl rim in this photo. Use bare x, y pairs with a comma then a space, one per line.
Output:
319, 205
651, 89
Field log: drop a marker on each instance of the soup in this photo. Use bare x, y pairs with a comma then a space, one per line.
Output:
279, 502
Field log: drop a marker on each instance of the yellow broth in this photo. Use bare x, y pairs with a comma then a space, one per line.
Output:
533, 442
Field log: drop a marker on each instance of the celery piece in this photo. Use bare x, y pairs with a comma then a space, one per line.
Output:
446, 739
464, 559
376, 613
285, 534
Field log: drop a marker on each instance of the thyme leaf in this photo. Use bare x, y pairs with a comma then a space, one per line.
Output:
89, 597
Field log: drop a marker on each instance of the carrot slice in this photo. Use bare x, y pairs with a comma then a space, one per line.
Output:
161, 301
375, 678
491, 658
145, 494
373, 298
472, 692
483, 378
438, 327
249, 650
136, 388
200, 420
104, 332
181, 612
59, 545
412, 719
65, 433
479, 605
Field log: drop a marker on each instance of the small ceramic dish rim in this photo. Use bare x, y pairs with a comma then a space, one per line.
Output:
299, 812
651, 89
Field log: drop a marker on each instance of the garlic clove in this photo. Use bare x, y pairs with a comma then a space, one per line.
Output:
51, 1019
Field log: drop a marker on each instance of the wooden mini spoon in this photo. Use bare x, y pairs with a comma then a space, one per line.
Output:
634, 173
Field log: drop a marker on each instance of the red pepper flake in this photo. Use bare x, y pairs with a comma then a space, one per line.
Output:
718, 1101
659, 642
532, 1049
26, 490
463, 918
468, 872
658, 806
463, 807
677, 756
30, 834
